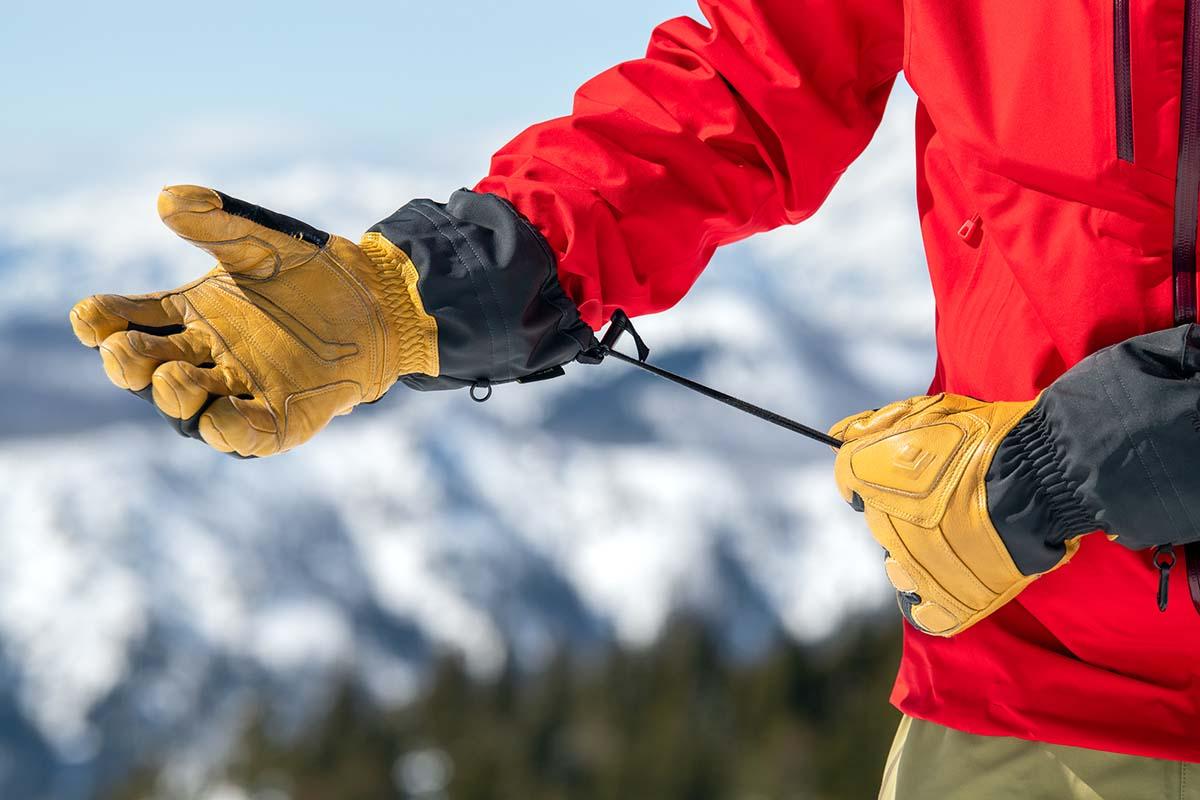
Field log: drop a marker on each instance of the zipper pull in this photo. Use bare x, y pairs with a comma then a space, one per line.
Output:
1164, 560
966, 231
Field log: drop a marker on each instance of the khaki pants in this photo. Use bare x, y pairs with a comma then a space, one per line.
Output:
930, 762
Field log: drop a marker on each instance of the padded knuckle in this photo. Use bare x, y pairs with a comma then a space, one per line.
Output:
911, 462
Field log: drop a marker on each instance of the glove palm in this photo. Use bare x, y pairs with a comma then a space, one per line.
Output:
291, 327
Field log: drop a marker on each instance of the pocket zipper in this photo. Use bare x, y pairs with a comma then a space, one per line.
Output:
968, 229
1122, 80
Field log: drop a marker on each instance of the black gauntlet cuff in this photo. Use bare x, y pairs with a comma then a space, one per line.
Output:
1034, 506
490, 280
1112, 445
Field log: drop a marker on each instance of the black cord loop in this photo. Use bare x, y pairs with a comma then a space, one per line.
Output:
482, 385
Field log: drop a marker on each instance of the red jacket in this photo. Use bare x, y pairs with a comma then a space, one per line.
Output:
1056, 127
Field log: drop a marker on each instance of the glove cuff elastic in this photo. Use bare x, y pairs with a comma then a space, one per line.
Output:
1110, 446
412, 332
1034, 505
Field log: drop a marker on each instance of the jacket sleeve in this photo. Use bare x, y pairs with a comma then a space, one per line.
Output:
722, 130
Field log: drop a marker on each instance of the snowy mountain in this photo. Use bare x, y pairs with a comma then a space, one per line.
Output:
149, 586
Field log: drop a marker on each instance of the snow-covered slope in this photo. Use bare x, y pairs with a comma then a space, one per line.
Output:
148, 586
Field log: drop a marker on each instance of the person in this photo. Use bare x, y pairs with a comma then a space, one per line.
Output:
1058, 155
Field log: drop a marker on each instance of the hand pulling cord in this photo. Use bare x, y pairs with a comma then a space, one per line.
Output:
620, 324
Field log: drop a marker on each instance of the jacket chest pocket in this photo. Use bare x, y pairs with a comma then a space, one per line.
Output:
1028, 85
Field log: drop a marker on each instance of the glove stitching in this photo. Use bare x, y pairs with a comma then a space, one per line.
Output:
508, 348
470, 272
271, 249
1154, 447
867, 417
944, 487
252, 337
228, 353
183, 345
551, 291
249, 422
313, 307
372, 315
1103, 356
928, 587
979, 504
280, 329
342, 272
316, 392
958, 564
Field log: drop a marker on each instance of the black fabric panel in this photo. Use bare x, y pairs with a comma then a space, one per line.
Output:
273, 220
490, 280
1028, 493
156, 330
1113, 445
906, 601
426, 383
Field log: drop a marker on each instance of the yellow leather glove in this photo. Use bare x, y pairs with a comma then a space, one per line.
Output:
917, 469
291, 327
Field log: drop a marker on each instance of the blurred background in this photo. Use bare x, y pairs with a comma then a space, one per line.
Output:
600, 586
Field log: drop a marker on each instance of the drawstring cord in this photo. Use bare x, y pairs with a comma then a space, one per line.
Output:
621, 324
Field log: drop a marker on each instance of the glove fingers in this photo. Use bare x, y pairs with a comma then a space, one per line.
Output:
929, 554
236, 425
839, 428
869, 422
925, 603
131, 357
96, 318
180, 389
244, 237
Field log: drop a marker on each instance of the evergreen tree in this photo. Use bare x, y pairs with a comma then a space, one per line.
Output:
679, 720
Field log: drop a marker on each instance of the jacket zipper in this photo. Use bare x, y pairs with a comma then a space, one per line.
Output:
1123, 91
1187, 176
1183, 245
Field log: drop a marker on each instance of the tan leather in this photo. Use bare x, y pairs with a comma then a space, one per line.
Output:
919, 467
285, 334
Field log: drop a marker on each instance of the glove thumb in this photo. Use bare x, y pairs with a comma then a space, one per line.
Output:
246, 239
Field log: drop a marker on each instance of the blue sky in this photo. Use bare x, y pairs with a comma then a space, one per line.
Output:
100, 87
